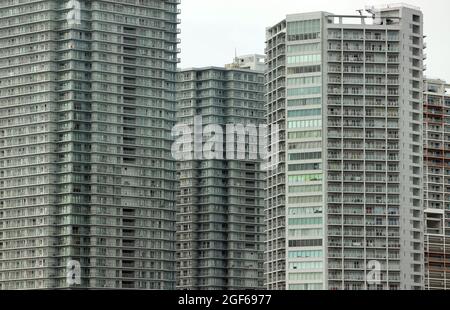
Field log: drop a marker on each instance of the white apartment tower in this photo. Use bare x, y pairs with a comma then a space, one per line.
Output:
344, 209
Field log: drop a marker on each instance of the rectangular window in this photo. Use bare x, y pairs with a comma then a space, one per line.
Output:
306, 232
305, 243
305, 124
305, 221
305, 134
302, 113
301, 59
303, 178
304, 80
303, 30
305, 101
305, 167
306, 287
303, 69
307, 276
305, 156
305, 91
305, 210
307, 200
305, 145
301, 48
305, 254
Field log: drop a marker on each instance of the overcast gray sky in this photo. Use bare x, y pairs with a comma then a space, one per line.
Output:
211, 30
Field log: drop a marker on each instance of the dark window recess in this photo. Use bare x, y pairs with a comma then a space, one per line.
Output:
250, 245
128, 263
128, 284
129, 80
250, 219
129, 70
128, 233
129, 90
128, 110
128, 160
129, 131
129, 120
128, 243
129, 40
129, 60
130, 30
305, 243
304, 69
129, 212
129, 140
129, 100
129, 222
129, 151
129, 50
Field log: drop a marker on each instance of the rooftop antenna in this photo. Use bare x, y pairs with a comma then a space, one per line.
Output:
371, 10
375, 14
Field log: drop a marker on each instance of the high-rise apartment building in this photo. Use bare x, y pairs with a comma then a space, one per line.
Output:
437, 184
344, 209
220, 208
87, 181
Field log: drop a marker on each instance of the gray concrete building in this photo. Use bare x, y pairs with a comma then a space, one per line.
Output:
220, 219
437, 184
87, 105
345, 208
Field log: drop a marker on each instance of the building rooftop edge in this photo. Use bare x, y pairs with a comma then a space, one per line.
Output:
217, 68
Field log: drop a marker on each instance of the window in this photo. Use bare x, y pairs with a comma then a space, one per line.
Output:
304, 80
302, 113
306, 232
303, 30
303, 69
304, 91
305, 156
305, 134
306, 287
302, 167
300, 59
305, 178
305, 265
306, 101
300, 48
305, 124
305, 243
307, 276
305, 221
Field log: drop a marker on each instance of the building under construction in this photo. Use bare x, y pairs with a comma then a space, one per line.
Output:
437, 184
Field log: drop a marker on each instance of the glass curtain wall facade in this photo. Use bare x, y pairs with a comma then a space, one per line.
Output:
220, 220
87, 104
